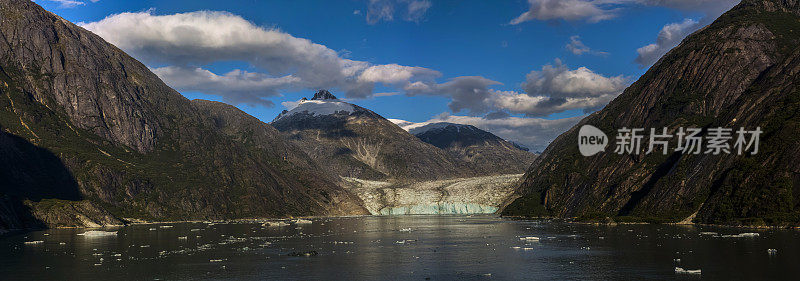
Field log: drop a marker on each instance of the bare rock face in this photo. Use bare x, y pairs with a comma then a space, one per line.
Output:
486, 152
84, 125
740, 71
352, 141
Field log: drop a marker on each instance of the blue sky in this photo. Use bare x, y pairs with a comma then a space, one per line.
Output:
493, 40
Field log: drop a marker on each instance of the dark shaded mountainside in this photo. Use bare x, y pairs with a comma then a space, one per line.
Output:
476, 146
89, 136
740, 71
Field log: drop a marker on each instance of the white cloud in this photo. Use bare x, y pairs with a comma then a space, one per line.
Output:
69, 3
535, 133
397, 74
417, 9
384, 10
570, 10
558, 81
577, 47
236, 86
191, 40
593, 11
669, 37
673, 33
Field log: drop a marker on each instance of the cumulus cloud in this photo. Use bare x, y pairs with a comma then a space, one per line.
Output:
534, 133
556, 88
577, 47
570, 10
593, 11
237, 85
669, 37
191, 40
384, 10
558, 81
466, 93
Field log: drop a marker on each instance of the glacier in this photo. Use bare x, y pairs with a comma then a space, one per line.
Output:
475, 195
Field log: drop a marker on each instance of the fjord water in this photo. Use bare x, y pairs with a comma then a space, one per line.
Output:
401, 248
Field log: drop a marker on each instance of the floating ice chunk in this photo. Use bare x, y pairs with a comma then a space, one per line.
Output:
709, 233
516, 247
302, 221
529, 238
98, 233
214, 260
275, 224
165, 226
182, 237
679, 270
772, 252
742, 235
34, 242
676, 260
62, 243
195, 229
405, 230
527, 249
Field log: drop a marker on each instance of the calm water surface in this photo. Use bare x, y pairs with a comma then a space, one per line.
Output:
402, 248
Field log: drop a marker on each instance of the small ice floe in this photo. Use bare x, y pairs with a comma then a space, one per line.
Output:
144, 246
676, 260
275, 224
153, 229
302, 221
709, 233
405, 230
37, 242
62, 243
529, 238
742, 235
98, 233
165, 226
214, 260
772, 252
679, 270
516, 247
195, 229
182, 237
527, 249
303, 254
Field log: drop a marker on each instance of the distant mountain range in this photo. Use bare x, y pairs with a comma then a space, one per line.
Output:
473, 145
741, 71
356, 142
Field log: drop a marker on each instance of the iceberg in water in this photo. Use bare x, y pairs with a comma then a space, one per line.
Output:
98, 233
742, 235
302, 221
275, 224
679, 270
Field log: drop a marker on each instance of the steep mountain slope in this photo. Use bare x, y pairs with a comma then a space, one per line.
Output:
478, 147
740, 71
352, 141
90, 135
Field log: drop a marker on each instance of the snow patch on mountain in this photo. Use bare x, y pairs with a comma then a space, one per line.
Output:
419, 128
319, 108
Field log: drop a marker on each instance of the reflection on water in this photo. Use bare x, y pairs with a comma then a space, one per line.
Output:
401, 248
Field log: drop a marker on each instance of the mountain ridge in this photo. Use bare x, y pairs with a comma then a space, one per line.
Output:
740, 71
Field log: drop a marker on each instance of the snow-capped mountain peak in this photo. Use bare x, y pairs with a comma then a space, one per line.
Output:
323, 103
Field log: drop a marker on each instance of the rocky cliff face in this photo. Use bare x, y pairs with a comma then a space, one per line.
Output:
90, 130
485, 151
353, 141
740, 71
